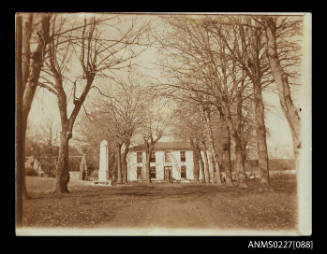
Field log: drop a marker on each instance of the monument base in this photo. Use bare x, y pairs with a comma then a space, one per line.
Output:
104, 183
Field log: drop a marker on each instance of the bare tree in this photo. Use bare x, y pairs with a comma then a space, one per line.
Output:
275, 28
206, 70
187, 126
155, 120
244, 42
119, 109
31, 29
91, 128
95, 54
19, 144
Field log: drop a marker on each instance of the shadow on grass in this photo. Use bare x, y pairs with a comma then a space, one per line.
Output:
279, 184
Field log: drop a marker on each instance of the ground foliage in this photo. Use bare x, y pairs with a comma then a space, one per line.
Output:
169, 205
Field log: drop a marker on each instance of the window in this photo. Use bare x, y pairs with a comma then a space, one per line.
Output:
139, 173
167, 157
153, 157
139, 157
153, 172
183, 171
183, 159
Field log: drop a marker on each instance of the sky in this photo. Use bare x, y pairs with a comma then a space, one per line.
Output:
45, 109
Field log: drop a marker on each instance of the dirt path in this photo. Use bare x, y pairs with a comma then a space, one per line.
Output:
174, 211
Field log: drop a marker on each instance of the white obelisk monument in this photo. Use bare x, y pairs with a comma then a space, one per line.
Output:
104, 163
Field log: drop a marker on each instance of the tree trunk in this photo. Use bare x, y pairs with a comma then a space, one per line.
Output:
234, 134
290, 111
26, 47
212, 166
19, 142
114, 174
124, 168
50, 141
228, 160
212, 148
62, 169
83, 169
147, 171
240, 165
124, 163
25, 193
195, 161
201, 163
147, 164
30, 68
119, 166
206, 159
35, 63
239, 152
243, 154
261, 135
201, 167
206, 166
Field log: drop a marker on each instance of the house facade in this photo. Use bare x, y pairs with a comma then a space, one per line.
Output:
170, 161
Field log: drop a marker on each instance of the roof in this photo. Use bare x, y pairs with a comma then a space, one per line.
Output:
164, 146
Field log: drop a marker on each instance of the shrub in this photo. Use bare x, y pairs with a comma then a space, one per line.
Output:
74, 163
94, 173
48, 165
30, 172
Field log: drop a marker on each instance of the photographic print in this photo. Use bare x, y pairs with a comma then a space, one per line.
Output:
163, 124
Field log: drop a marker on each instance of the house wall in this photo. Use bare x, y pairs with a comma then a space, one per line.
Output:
189, 165
159, 164
176, 164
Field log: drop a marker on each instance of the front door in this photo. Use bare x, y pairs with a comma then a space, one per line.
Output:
168, 173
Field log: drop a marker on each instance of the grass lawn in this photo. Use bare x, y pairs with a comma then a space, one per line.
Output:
162, 205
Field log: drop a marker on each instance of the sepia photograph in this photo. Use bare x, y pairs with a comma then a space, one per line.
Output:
165, 124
